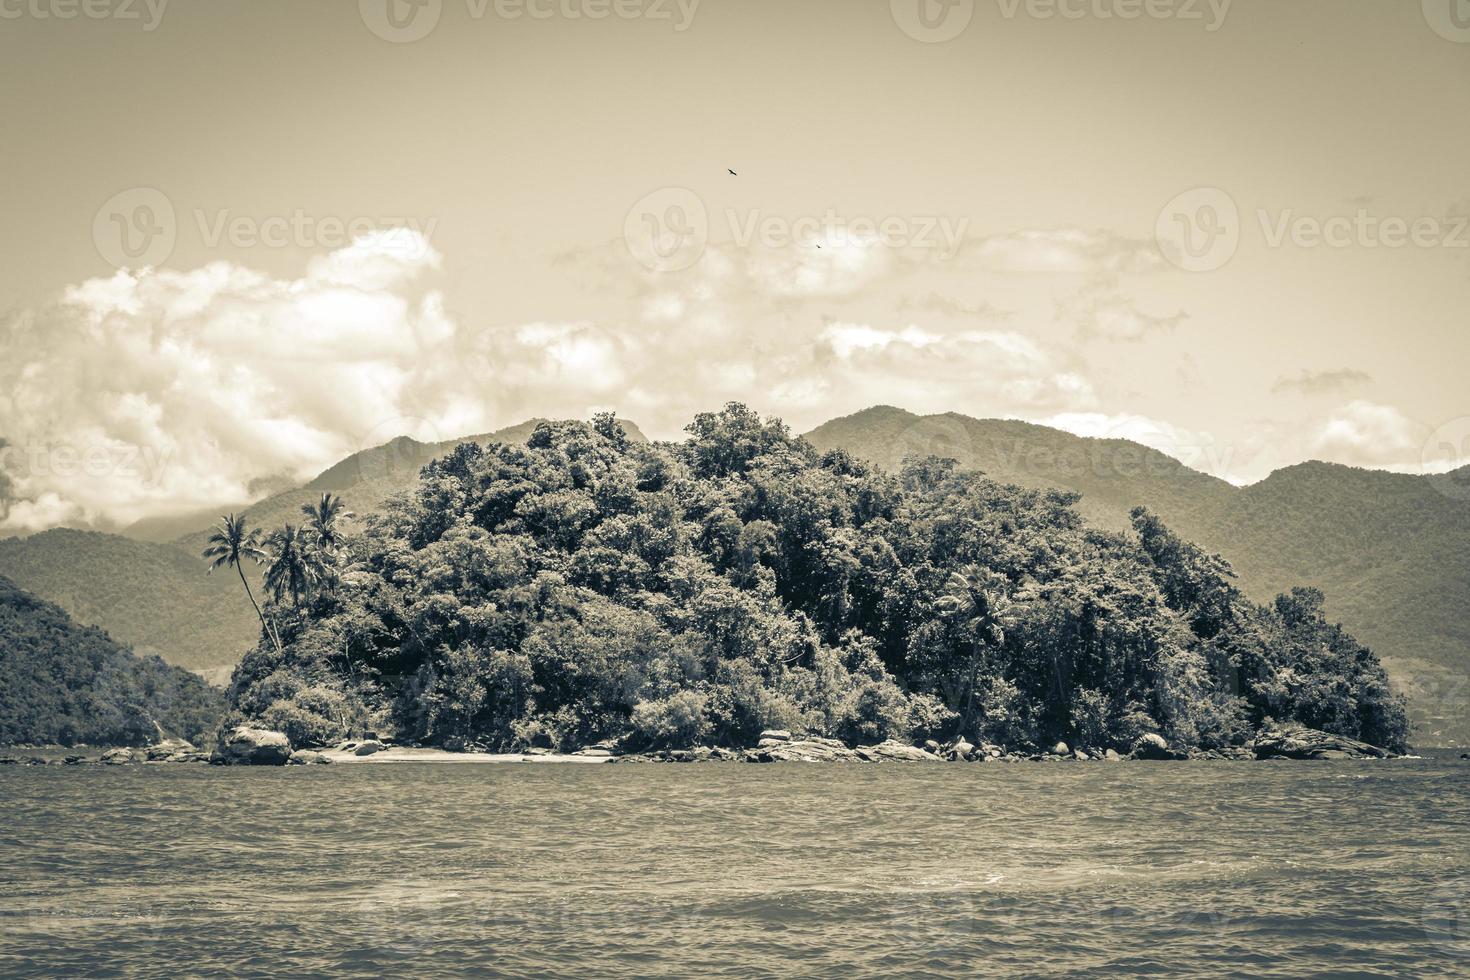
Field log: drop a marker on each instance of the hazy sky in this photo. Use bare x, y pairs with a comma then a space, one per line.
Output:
998, 214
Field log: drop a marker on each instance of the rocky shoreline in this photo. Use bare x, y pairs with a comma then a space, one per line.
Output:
259, 747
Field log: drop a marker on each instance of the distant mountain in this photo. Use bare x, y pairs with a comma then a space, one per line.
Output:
1113, 475
155, 594
64, 683
155, 597
1391, 551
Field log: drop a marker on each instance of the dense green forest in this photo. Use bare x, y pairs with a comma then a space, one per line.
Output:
1390, 550
583, 586
65, 684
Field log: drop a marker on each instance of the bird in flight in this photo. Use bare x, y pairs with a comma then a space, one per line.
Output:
732, 173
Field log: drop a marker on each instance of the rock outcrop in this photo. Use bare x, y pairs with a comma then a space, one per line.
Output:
1309, 743
891, 751
810, 749
247, 746
306, 757
117, 757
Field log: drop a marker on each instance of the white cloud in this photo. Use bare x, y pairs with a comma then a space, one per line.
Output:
156, 390
1198, 450
1363, 433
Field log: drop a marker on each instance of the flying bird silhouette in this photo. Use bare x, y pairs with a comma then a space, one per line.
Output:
732, 173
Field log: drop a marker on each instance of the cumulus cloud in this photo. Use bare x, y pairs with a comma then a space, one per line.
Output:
157, 389
1362, 433
1321, 382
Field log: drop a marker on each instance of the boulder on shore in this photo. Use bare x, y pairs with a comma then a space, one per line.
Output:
1152, 746
246, 746
117, 757
776, 735
306, 757
1060, 749
368, 747
1309, 743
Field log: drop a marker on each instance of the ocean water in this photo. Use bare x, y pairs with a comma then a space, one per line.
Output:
1201, 870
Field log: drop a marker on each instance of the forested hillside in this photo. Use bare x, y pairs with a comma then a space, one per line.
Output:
1391, 552
583, 587
67, 684
150, 596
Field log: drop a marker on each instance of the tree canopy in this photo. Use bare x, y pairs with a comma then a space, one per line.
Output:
582, 586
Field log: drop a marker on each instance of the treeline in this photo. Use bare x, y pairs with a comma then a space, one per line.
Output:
65, 684
581, 587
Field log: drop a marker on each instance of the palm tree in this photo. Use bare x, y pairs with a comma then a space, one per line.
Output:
976, 599
321, 522
290, 570
323, 534
230, 546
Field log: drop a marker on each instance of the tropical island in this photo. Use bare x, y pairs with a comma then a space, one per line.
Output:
724, 592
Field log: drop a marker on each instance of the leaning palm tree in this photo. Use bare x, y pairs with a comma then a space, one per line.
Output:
290, 570
230, 546
976, 600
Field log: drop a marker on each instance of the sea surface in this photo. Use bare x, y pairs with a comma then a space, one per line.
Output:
1198, 869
